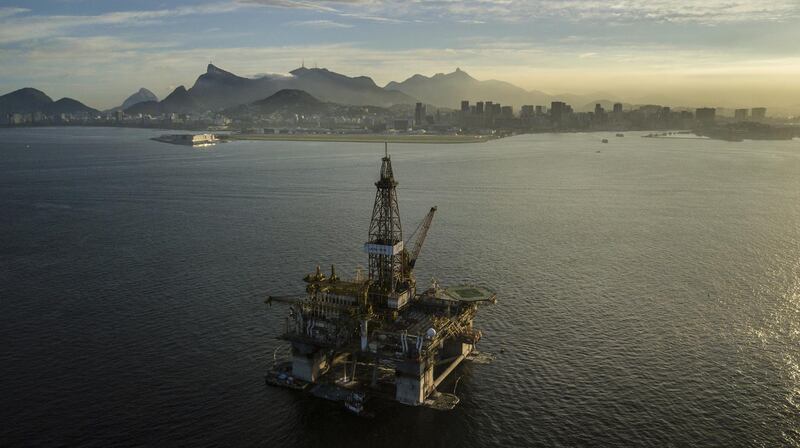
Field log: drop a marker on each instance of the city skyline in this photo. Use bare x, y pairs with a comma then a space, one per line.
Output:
733, 53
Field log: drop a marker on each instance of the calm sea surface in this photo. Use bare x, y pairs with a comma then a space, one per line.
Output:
649, 289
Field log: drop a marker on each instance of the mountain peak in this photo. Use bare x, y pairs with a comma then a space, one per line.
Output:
180, 101
29, 90
214, 72
291, 96
24, 100
32, 93
460, 74
287, 101
140, 96
299, 71
180, 92
70, 105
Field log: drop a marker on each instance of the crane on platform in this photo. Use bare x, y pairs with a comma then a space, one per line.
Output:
416, 240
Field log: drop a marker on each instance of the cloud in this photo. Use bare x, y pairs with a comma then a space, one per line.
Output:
103, 70
323, 5
18, 29
342, 8
8, 11
705, 11
617, 11
324, 24
92, 57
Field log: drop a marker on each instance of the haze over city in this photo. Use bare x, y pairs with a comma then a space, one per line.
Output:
725, 53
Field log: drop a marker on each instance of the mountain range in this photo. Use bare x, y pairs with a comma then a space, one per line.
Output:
449, 89
218, 89
30, 100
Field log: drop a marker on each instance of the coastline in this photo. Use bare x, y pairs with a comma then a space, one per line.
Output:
364, 138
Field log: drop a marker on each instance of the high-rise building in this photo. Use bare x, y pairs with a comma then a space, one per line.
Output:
598, 109
488, 108
419, 114
526, 112
740, 114
617, 108
507, 112
557, 109
464, 106
479, 107
599, 113
705, 114
758, 113
540, 110
496, 109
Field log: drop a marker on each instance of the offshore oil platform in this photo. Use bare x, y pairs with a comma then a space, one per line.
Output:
377, 336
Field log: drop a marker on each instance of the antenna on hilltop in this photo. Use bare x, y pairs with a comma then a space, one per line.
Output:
315, 64
303, 64
386, 149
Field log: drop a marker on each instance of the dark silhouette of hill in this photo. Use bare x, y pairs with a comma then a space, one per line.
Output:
219, 89
30, 100
70, 106
179, 102
293, 101
448, 89
140, 96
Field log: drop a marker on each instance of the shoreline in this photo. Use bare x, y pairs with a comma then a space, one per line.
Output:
363, 138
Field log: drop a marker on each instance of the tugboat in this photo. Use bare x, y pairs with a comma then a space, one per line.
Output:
605, 140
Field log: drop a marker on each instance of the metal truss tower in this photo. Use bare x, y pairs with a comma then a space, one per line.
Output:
385, 243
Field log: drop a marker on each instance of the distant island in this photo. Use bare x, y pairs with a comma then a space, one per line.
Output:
315, 102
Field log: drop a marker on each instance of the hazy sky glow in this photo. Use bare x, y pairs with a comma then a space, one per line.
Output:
690, 52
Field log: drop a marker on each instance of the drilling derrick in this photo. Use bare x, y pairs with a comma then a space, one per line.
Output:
352, 339
390, 287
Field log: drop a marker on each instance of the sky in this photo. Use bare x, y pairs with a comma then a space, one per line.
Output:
724, 53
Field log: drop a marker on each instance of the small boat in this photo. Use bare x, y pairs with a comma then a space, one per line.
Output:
282, 377
605, 140
620, 135
355, 404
